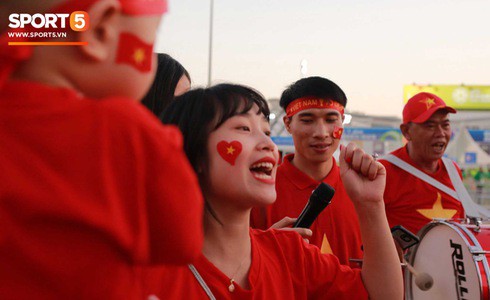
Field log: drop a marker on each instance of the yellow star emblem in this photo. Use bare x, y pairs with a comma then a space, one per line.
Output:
437, 211
326, 249
230, 150
139, 55
428, 102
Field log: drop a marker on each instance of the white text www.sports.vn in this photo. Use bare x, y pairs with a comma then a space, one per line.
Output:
48, 34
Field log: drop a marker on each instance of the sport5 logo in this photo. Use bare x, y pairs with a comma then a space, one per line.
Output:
78, 20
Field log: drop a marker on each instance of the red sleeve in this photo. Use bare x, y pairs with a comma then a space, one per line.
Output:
167, 183
326, 278
175, 204
329, 277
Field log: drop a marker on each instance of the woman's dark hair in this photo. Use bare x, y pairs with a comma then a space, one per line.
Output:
313, 87
199, 112
161, 93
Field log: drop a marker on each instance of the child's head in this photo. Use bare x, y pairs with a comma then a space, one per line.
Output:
314, 115
117, 61
171, 80
227, 140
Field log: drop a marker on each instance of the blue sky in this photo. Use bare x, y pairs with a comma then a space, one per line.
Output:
370, 48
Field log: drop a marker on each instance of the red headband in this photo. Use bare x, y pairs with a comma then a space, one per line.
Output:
312, 102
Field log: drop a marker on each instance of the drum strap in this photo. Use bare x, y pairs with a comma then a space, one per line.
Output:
460, 193
471, 208
420, 175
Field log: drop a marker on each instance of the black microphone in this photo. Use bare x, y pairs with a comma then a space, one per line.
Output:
319, 199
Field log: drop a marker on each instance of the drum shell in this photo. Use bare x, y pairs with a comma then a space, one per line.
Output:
455, 255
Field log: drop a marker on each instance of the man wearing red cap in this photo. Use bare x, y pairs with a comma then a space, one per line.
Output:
92, 185
411, 201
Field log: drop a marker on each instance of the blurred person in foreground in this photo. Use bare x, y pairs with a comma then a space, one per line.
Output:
92, 185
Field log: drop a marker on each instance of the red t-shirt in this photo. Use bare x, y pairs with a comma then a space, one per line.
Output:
336, 230
89, 190
283, 267
411, 202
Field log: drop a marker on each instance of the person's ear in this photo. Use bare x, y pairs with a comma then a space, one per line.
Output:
404, 128
103, 32
287, 123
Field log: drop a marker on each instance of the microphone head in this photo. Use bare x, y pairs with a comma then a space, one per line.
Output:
319, 199
323, 194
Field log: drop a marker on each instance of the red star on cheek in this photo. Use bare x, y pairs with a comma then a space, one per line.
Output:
229, 151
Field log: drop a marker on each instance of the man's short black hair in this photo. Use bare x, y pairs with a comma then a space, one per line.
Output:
313, 87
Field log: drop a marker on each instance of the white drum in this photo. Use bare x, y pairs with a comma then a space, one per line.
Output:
454, 255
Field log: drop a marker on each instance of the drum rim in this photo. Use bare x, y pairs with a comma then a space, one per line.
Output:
460, 230
483, 261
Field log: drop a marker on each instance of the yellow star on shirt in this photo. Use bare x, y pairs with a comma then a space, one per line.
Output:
428, 102
230, 150
139, 55
325, 248
437, 211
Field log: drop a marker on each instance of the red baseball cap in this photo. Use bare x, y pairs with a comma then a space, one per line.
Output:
422, 106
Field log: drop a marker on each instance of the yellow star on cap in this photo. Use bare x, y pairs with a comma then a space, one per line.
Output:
325, 248
230, 150
139, 55
437, 211
428, 102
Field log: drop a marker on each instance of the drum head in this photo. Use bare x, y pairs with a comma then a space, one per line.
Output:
444, 254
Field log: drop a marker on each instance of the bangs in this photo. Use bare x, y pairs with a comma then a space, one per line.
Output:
232, 100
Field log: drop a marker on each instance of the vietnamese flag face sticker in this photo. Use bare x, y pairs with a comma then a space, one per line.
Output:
134, 52
337, 132
229, 151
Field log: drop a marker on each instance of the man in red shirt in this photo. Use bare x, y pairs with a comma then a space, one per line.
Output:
411, 201
92, 185
314, 114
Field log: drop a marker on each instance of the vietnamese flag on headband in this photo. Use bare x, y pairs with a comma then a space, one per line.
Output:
134, 52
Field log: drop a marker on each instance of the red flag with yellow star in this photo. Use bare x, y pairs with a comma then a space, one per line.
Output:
337, 132
134, 52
